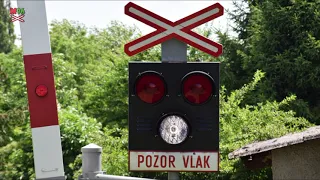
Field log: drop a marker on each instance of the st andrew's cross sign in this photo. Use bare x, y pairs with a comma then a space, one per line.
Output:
181, 29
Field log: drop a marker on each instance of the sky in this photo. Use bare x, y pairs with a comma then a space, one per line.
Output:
101, 13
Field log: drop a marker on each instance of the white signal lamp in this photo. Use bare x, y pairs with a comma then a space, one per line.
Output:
174, 129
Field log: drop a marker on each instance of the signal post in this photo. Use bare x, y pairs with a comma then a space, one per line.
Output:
174, 105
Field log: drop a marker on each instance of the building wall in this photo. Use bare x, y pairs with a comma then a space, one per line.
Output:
301, 161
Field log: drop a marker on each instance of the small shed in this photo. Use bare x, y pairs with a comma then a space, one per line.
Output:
293, 156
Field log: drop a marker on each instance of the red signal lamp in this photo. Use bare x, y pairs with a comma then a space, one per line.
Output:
150, 87
41, 90
197, 87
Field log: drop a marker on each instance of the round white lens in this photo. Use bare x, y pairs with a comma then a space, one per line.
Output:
173, 129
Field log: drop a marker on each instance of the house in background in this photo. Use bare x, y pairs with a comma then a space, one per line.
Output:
293, 156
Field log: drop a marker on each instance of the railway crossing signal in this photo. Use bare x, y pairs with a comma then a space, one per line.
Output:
173, 107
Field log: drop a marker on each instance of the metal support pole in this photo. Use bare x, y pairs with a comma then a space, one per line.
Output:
174, 51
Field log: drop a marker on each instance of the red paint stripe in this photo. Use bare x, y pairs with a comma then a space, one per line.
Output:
39, 70
139, 8
199, 13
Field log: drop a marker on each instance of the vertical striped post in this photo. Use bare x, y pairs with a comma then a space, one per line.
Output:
47, 150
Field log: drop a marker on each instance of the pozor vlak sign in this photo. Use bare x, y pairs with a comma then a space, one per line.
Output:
174, 161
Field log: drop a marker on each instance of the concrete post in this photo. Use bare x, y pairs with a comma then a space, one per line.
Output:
91, 161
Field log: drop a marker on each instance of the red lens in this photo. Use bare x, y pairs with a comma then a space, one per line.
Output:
150, 87
41, 90
197, 87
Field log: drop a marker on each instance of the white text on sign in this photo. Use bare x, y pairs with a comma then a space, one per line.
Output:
174, 161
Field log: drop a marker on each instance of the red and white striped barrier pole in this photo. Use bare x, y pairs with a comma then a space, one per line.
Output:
47, 150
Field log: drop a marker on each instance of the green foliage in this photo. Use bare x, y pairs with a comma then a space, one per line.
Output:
65, 81
77, 130
13, 101
7, 36
106, 93
282, 39
197, 55
243, 125
232, 75
91, 68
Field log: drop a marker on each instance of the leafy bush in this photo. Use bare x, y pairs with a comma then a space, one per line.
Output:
77, 130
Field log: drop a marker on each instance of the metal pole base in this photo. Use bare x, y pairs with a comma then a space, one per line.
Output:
173, 176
